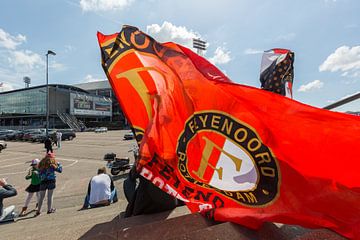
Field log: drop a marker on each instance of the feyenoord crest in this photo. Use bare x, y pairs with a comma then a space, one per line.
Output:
217, 151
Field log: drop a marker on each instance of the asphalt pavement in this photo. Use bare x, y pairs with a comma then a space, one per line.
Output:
81, 158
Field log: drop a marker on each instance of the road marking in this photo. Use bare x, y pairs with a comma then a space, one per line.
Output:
63, 159
80, 160
72, 164
15, 173
11, 165
12, 159
22, 153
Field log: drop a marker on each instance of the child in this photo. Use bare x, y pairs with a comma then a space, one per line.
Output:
34, 186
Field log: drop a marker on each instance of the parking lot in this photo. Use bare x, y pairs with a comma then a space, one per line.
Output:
81, 158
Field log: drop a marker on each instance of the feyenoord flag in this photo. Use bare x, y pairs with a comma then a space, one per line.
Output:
233, 152
277, 71
136, 96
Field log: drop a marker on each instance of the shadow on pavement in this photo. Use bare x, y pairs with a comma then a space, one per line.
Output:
26, 217
19, 218
107, 230
110, 230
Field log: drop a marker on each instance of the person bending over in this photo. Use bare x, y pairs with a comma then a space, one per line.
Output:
101, 191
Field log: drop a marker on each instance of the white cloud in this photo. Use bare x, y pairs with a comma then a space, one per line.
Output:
250, 51
345, 59
10, 79
15, 63
57, 66
221, 56
316, 84
6, 87
90, 78
26, 59
10, 42
180, 34
286, 37
169, 32
104, 5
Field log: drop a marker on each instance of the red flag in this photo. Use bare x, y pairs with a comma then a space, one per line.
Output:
232, 152
135, 96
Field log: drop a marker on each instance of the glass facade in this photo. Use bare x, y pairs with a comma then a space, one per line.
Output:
26, 108
31, 101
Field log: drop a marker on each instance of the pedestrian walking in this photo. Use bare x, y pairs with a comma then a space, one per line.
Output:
48, 166
48, 145
34, 186
58, 138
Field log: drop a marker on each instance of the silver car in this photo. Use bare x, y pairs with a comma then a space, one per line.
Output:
3, 145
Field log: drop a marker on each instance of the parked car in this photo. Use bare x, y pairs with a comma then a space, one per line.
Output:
12, 135
29, 135
26, 135
42, 136
36, 133
101, 129
67, 134
129, 136
18, 136
4, 133
3, 145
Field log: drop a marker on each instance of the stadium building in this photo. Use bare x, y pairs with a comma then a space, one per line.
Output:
103, 88
69, 107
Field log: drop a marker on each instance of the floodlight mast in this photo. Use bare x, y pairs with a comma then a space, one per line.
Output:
27, 81
199, 45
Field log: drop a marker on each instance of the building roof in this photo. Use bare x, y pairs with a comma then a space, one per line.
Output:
94, 85
62, 86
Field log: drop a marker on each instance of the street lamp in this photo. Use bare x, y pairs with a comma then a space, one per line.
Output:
49, 52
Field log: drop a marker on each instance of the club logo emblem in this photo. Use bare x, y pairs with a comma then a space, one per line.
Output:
217, 151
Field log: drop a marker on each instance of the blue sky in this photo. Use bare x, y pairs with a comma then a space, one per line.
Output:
324, 34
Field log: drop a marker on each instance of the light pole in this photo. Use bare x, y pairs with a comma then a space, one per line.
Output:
49, 52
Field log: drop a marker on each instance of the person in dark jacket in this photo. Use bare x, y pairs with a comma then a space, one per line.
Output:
5, 192
48, 144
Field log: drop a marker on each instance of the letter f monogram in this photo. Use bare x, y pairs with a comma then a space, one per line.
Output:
204, 163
